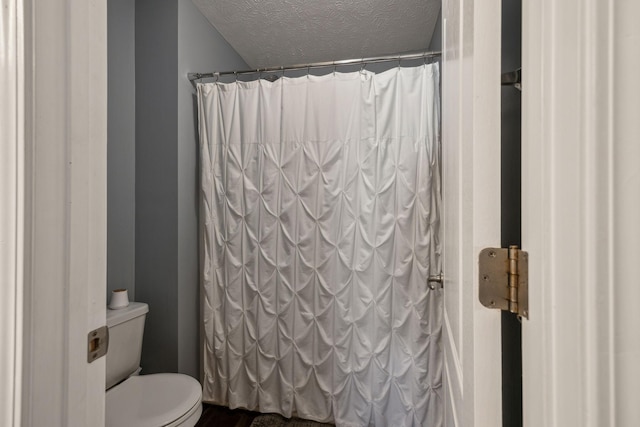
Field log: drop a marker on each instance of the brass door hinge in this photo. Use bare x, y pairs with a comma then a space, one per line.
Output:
504, 280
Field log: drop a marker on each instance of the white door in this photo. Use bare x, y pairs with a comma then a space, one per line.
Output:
581, 212
471, 201
11, 213
55, 194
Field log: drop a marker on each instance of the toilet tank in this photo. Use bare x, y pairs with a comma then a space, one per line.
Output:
126, 327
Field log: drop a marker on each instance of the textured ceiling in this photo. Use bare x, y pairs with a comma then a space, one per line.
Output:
269, 33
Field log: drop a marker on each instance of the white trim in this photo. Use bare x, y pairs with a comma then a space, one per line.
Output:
65, 210
581, 204
11, 210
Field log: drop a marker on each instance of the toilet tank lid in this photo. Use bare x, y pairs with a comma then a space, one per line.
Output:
121, 315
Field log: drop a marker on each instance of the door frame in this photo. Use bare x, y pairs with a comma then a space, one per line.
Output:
581, 206
11, 211
57, 200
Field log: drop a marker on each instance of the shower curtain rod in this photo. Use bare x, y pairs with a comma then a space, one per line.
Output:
364, 61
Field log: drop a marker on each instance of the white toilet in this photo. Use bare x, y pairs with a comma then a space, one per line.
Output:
156, 400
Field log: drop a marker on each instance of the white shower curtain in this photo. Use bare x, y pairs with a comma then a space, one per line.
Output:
320, 222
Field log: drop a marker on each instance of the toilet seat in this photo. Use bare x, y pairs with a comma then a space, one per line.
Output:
156, 400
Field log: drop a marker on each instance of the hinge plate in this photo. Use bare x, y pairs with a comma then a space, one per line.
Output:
97, 343
504, 277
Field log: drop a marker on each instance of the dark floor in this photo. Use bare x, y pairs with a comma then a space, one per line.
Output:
219, 416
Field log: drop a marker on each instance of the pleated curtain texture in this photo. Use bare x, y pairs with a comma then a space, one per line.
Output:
319, 228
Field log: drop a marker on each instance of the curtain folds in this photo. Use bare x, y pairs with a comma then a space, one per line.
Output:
319, 228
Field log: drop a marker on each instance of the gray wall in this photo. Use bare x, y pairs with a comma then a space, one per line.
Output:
436, 38
200, 48
121, 146
156, 180
172, 38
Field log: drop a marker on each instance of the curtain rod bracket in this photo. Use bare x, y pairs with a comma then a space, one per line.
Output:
512, 78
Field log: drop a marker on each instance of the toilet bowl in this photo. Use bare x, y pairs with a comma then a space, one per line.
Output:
167, 400
155, 400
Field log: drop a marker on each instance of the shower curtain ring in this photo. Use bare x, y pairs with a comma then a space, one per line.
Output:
235, 73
